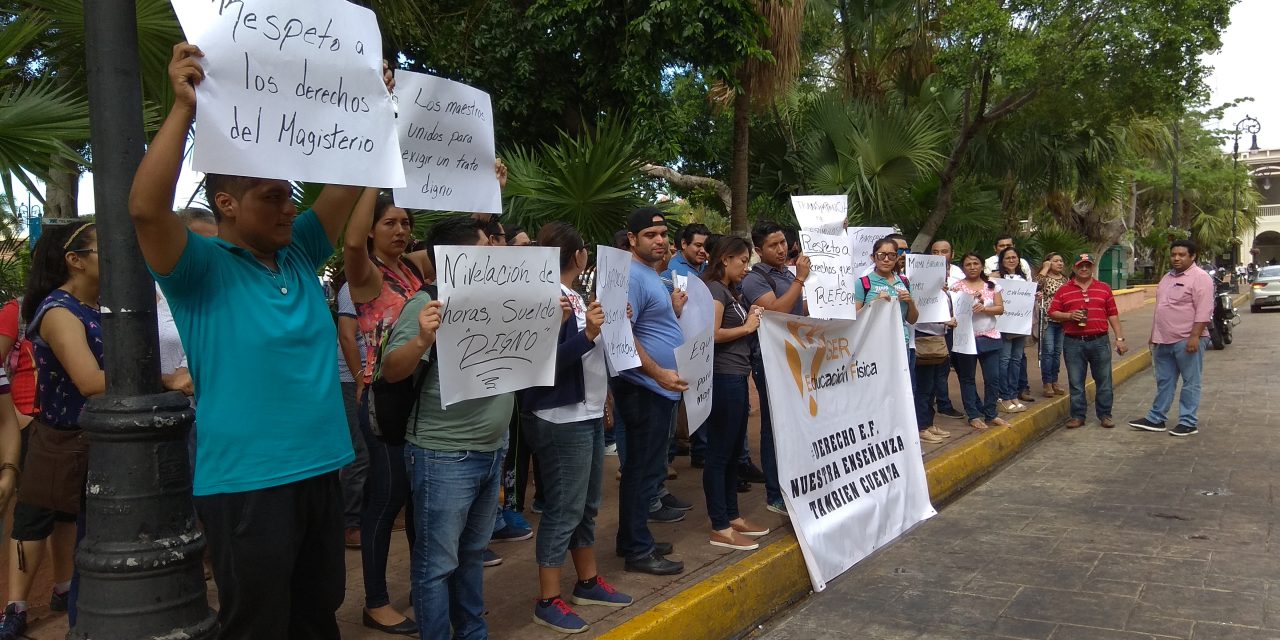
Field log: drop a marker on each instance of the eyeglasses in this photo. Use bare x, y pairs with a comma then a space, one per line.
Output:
883, 255
904, 251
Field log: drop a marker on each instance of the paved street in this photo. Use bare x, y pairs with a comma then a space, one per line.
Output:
1096, 534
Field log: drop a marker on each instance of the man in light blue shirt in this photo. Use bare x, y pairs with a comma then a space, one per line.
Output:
691, 260
647, 396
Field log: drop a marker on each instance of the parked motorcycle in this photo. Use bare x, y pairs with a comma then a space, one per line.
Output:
1225, 316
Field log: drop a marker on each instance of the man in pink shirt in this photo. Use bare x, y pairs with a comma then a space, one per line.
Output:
1184, 307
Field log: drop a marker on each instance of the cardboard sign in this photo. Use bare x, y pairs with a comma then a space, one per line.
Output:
613, 283
861, 240
845, 432
821, 214
446, 146
293, 91
501, 320
829, 289
1019, 307
928, 275
962, 338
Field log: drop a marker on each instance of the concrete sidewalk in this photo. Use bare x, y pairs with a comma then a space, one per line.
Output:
721, 592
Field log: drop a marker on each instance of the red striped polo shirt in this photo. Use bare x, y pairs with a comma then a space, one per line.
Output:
1097, 298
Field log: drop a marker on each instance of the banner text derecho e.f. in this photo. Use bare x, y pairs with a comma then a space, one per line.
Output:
844, 428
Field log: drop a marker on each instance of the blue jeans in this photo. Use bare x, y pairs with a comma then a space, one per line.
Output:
942, 376
1051, 338
571, 458
966, 371
650, 419
926, 379
1012, 354
619, 425
455, 496
386, 494
724, 428
768, 458
1170, 362
1095, 355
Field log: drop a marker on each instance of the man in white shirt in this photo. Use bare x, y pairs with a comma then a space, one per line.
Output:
1004, 242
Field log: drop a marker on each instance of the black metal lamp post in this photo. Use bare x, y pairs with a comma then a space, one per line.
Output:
1248, 125
140, 560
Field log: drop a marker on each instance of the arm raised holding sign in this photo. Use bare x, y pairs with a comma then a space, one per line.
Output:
400, 363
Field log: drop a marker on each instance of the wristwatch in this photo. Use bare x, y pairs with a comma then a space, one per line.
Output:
1119, 339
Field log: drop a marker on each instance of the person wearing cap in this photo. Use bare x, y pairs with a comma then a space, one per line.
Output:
1085, 307
647, 398
1184, 309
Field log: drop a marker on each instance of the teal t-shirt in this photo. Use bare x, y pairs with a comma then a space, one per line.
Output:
879, 284
268, 405
470, 425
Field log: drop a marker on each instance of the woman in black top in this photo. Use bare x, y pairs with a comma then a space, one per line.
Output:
734, 328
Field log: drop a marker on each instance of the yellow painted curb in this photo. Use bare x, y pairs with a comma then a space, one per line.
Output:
735, 599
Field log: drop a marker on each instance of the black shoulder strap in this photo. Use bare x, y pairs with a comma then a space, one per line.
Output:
420, 372
764, 271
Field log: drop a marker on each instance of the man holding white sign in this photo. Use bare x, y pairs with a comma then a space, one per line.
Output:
273, 431
771, 286
647, 397
292, 92
454, 459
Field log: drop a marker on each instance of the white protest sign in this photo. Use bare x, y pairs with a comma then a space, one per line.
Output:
446, 146
821, 214
500, 324
694, 357
293, 91
694, 364
928, 275
1019, 303
699, 314
613, 282
845, 432
962, 338
829, 288
861, 240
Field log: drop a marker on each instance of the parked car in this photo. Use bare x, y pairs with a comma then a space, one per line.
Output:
1265, 290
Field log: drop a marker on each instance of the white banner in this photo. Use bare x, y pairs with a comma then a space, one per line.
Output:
293, 91
501, 319
1019, 303
861, 239
962, 338
845, 432
446, 146
694, 357
829, 288
613, 282
821, 214
928, 276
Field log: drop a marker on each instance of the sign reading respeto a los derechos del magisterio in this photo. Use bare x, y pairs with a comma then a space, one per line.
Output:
292, 90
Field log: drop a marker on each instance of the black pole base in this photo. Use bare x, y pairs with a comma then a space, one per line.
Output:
140, 563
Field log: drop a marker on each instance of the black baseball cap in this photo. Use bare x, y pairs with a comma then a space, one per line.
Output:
644, 217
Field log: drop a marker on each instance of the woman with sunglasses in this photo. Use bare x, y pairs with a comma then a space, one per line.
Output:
884, 283
987, 304
1013, 347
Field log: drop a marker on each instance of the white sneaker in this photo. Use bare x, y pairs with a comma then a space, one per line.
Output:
611, 450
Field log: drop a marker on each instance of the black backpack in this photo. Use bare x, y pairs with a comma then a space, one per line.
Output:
395, 403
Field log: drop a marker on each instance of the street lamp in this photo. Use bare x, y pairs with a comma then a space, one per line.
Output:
1248, 125
140, 559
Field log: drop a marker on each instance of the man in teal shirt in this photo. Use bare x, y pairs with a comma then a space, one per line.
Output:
259, 340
